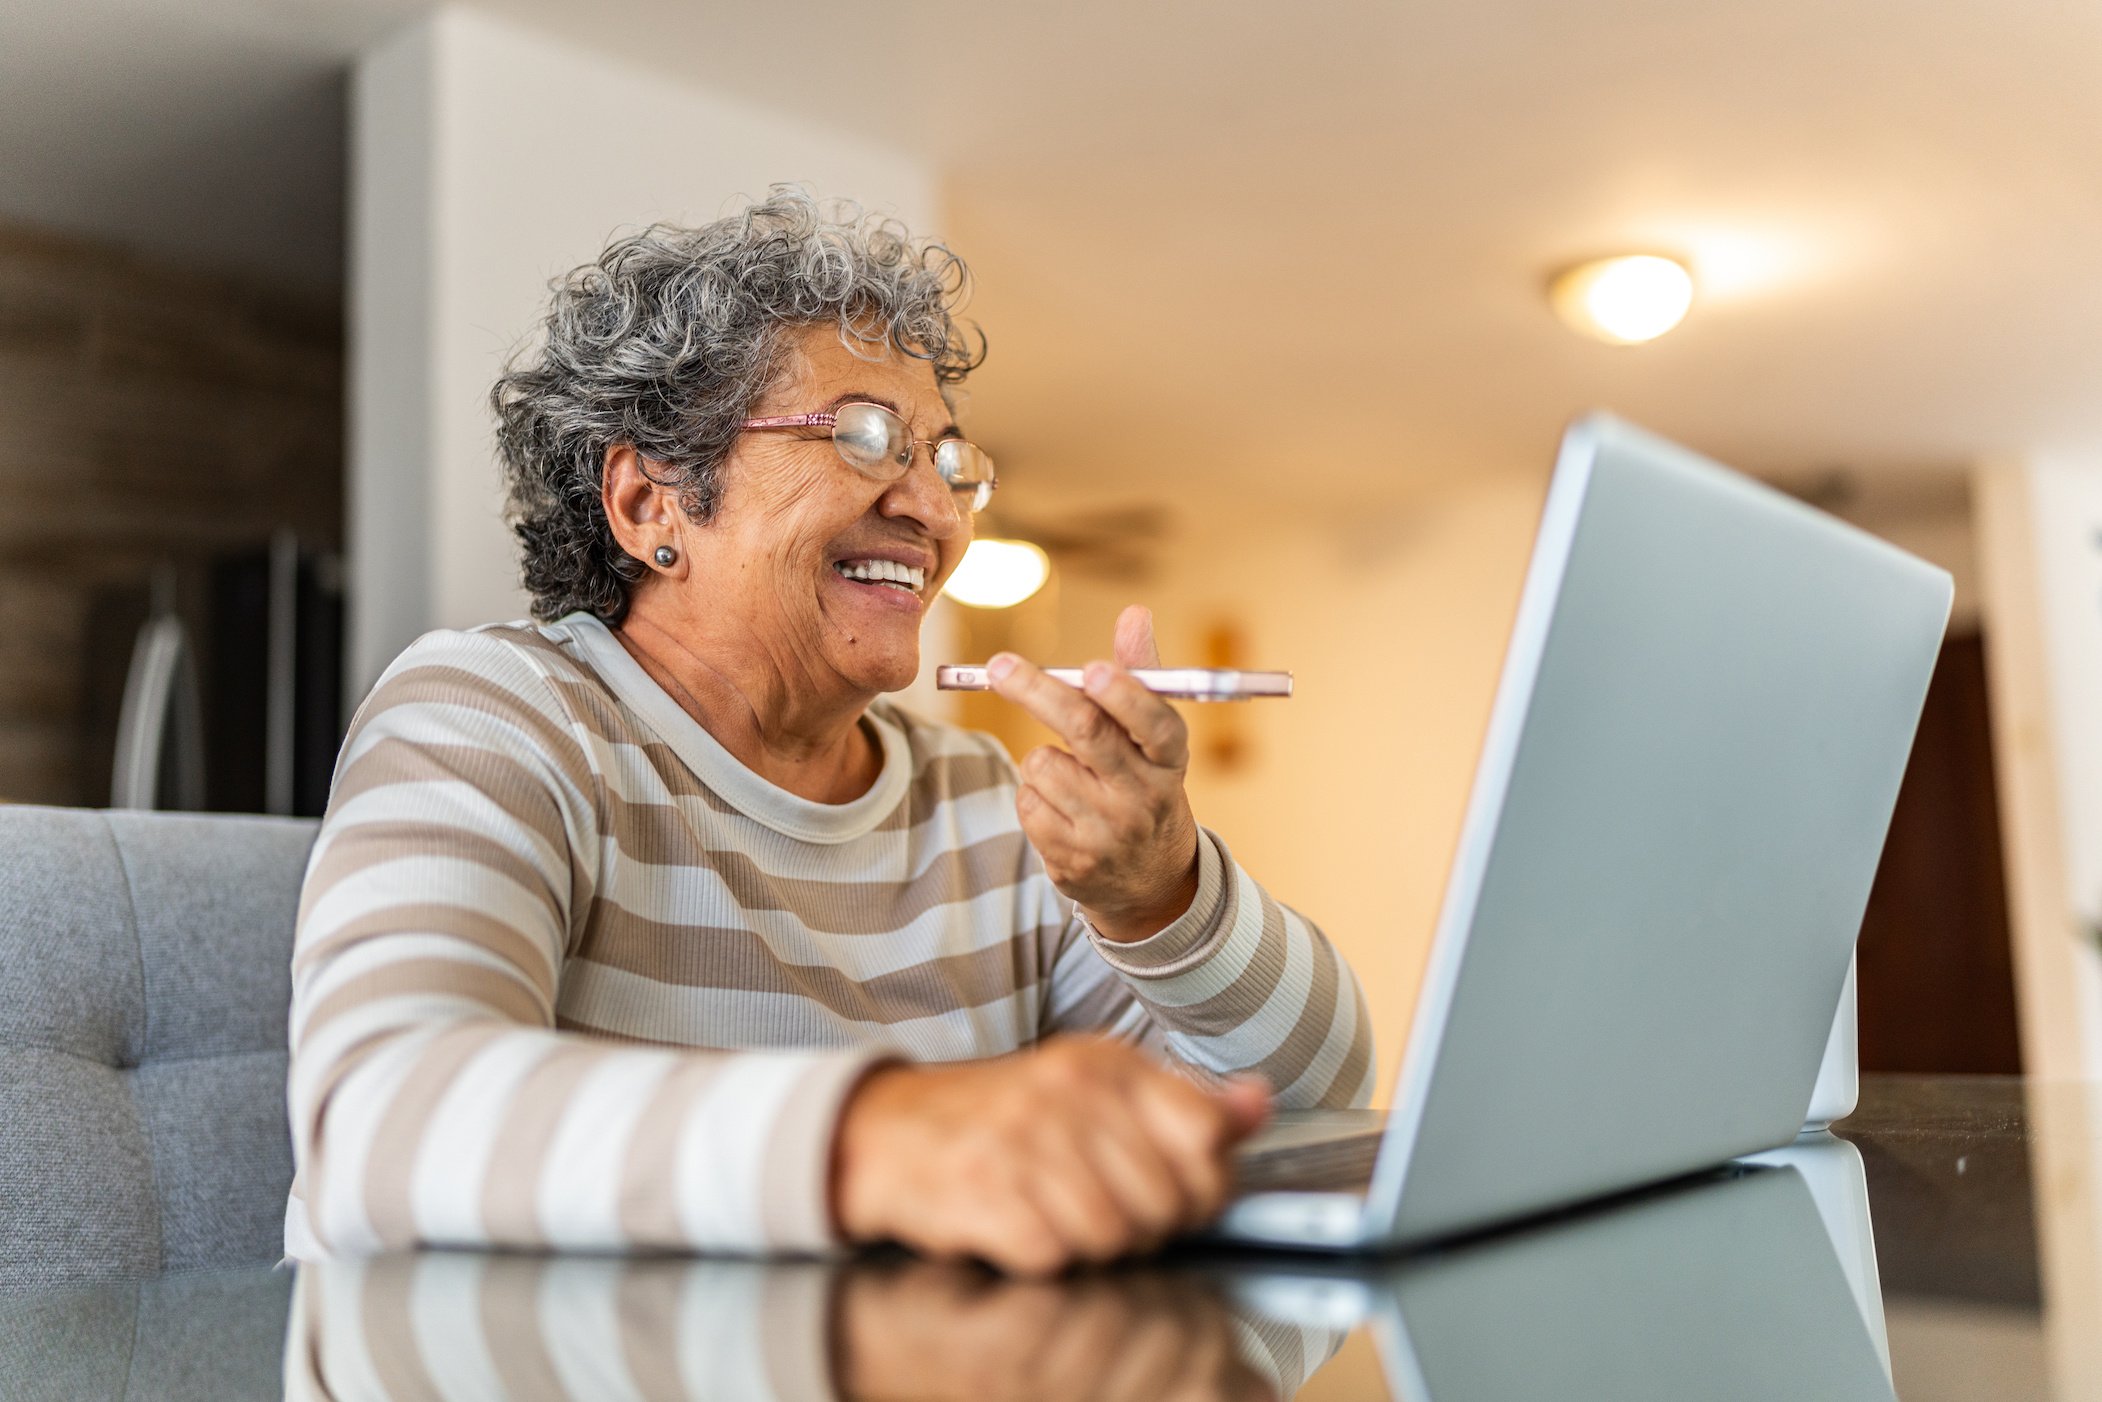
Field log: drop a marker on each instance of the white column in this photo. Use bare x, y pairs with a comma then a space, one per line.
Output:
485, 160
2039, 527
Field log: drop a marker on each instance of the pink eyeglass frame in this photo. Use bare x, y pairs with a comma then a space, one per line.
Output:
831, 419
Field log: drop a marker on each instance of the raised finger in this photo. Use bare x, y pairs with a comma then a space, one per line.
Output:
1135, 645
1154, 727
1096, 740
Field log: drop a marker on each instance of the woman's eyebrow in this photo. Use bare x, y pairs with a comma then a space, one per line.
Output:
855, 396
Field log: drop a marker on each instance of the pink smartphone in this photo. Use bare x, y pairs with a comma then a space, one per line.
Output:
1181, 683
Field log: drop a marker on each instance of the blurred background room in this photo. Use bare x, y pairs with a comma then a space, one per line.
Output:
1282, 341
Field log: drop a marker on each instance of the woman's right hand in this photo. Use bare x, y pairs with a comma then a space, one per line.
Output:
1079, 1149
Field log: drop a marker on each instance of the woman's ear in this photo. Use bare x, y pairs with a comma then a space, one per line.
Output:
644, 515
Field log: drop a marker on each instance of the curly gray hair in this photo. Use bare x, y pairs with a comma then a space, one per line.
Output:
668, 340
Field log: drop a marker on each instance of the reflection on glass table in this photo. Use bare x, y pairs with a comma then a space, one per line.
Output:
1756, 1283
489, 1326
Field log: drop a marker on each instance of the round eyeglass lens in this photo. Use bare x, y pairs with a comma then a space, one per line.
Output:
871, 437
966, 467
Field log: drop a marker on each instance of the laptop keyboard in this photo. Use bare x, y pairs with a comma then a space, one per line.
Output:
1311, 1151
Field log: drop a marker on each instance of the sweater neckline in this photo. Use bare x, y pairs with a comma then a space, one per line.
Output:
755, 796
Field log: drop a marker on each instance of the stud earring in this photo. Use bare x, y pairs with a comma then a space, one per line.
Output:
665, 555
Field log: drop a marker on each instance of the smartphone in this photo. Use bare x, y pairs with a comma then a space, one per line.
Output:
1181, 683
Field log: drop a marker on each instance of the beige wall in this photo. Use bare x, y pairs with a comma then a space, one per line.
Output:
1349, 799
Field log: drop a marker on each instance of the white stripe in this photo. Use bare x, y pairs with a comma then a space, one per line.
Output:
338, 1323
452, 1163
359, 1104
579, 1317
721, 1329
1217, 973
439, 804
579, 1192
445, 1313
436, 880
721, 1155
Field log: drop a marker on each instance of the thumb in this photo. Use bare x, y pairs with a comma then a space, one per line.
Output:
1135, 643
1246, 1100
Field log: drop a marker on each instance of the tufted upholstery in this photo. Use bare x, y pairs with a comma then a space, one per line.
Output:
145, 973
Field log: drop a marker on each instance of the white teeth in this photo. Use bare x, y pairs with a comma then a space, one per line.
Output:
907, 577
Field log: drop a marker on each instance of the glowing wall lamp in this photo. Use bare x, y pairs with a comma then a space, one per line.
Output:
1623, 301
998, 574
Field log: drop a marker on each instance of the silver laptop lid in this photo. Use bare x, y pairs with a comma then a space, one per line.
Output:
1697, 740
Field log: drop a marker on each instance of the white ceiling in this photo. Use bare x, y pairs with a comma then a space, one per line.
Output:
1295, 254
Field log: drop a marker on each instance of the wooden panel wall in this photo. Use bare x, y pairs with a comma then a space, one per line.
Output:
146, 414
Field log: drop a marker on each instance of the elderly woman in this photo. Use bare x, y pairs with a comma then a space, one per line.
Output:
652, 925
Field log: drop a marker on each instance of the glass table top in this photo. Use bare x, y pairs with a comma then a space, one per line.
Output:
1915, 1250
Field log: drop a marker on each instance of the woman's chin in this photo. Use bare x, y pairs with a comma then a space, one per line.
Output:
880, 673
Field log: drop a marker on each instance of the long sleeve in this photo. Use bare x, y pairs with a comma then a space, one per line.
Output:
1240, 983
433, 1098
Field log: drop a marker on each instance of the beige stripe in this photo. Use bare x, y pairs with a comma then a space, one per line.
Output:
1233, 1005
510, 1309
646, 1301
452, 921
664, 834
355, 850
390, 1331
795, 1198
1352, 1071
518, 1160
946, 778
473, 691
649, 1189
712, 956
313, 1137
397, 1140
500, 995
521, 792
875, 907
1285, 1065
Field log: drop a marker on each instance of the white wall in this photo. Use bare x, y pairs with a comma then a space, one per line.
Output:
487, 159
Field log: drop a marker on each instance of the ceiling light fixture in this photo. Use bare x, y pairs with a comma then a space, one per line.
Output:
1623, 301
998, 574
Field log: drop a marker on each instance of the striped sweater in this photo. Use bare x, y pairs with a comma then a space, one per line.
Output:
428, 1325
568, 974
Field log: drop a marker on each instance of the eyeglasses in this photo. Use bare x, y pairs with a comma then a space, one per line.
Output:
876, 443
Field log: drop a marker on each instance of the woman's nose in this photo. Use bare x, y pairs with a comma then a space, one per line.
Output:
922, 495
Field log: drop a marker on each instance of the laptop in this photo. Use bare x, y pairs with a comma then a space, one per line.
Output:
1703, 718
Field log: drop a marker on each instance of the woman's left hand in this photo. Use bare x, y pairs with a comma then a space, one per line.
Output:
1109, 816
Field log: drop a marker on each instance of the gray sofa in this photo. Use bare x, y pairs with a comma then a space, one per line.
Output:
144, 980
